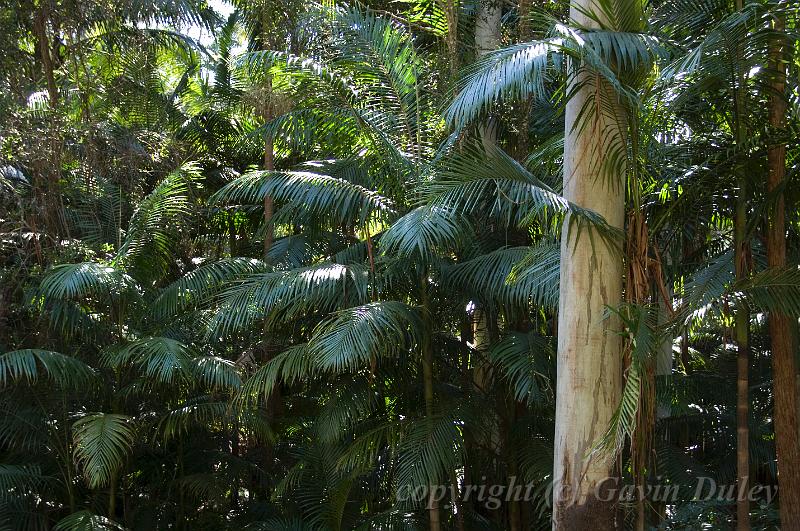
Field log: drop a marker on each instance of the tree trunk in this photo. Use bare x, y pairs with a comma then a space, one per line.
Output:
589, 364
269, 205
434, 516
487, 40
40, 32
742, 325
487, 27
784, 368
525, 35
451, 9
742, 312
524, 12
666, 356
269, 165
269, 41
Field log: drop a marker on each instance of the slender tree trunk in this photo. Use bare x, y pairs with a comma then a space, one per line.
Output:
269, 41
589, 364
742, 332
510, 456
272, 401
666, 357
451, 9
434, 516
784, 368
664, 364
112, 496
525, 35
742, 313
269, 210
269, 165
524, 11
40, 32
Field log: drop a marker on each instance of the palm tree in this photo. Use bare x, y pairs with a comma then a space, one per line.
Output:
394, 350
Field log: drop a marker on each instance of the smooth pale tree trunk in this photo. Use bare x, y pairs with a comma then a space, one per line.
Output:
487, 27
784, 367
589, 365
487, 39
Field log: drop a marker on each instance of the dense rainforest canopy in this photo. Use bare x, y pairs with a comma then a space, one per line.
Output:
399, 264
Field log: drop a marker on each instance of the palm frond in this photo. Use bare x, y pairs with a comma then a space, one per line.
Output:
429, 451
88, 279
18, 479
515, 276
426, 231
773, 290
87, 521
641, 322
282, 524
308, 192
197, 285
102, 443
290, 366
33, 364
513, 73
352, 337
282, 295
156, 224
161, 359
526, 360
468, 178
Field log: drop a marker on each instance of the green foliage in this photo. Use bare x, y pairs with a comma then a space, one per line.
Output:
165, 364
32, 364
102, 442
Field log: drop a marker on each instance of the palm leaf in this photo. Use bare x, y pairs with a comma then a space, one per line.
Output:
352, 337
87, 521
32, 364
312, 193
102, 443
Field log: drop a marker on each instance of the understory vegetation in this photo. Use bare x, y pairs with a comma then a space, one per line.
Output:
287, 265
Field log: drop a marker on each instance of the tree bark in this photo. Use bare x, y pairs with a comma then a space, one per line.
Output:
742, 325
742, 312
784, 367
40, 32
269, 205
269, 165
434, 516
451, 9
487, 40
589, 362
524, 12
487, 27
